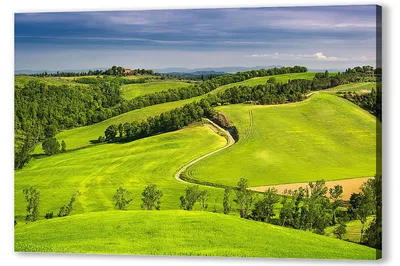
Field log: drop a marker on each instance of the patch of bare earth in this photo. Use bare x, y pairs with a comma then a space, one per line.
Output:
349, 186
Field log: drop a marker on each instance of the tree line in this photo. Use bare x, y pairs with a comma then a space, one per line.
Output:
122, 198
120, 80
372, 102
113, 71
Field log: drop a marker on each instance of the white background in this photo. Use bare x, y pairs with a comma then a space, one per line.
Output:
391, 103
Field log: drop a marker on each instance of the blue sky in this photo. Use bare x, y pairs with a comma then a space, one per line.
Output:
317, 37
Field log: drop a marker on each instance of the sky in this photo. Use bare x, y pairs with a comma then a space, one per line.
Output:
330, 37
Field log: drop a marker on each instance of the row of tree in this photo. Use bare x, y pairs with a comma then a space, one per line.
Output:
32, 196
312, 208
371, 102
113, 71
119, 80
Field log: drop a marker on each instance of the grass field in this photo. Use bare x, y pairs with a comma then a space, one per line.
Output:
98, 171
362, 87
81, 137
179, 233
353, 230
130, 91
21, 80
324, 137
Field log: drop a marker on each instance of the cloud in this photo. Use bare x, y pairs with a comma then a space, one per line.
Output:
317, 56
321, 56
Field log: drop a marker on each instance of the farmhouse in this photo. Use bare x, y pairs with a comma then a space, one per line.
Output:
127, 71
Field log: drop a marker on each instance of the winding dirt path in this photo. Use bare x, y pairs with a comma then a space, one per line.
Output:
216, 129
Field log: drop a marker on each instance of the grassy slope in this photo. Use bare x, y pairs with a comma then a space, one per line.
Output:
98, 171
357, 87
324, 137
21, 80
81, 137
134, 90
179, 233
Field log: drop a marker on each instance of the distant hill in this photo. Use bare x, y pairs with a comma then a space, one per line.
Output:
196, 73
227, 69
31, 72
331, 70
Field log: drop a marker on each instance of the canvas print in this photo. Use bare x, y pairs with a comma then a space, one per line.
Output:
228, 132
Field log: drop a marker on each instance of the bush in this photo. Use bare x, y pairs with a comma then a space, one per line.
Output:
51, 146
49, 215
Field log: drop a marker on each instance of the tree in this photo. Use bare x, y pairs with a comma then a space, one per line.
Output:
203, 197
50, 131
335, 195
244, 197
192, 194
51, 146
151, 197
120, 130
355, 201
373, 235
227, 202
318, 207
340, 230
111, 133
49, 215
32, 196
264, 209
121, 198
63, 146
287, 210
271, 80
368, 203
215, 205
67, 209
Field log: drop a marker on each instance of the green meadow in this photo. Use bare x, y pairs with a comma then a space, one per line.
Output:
130, 91
98, 171
362, 87
325, 137
178, 232
22, 80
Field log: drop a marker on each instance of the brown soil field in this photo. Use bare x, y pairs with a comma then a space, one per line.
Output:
349, 186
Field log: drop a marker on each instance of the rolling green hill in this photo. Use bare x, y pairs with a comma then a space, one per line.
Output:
130, 91
323, 137
179, 233
362, 87
81, 137
21, 80
98, 171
